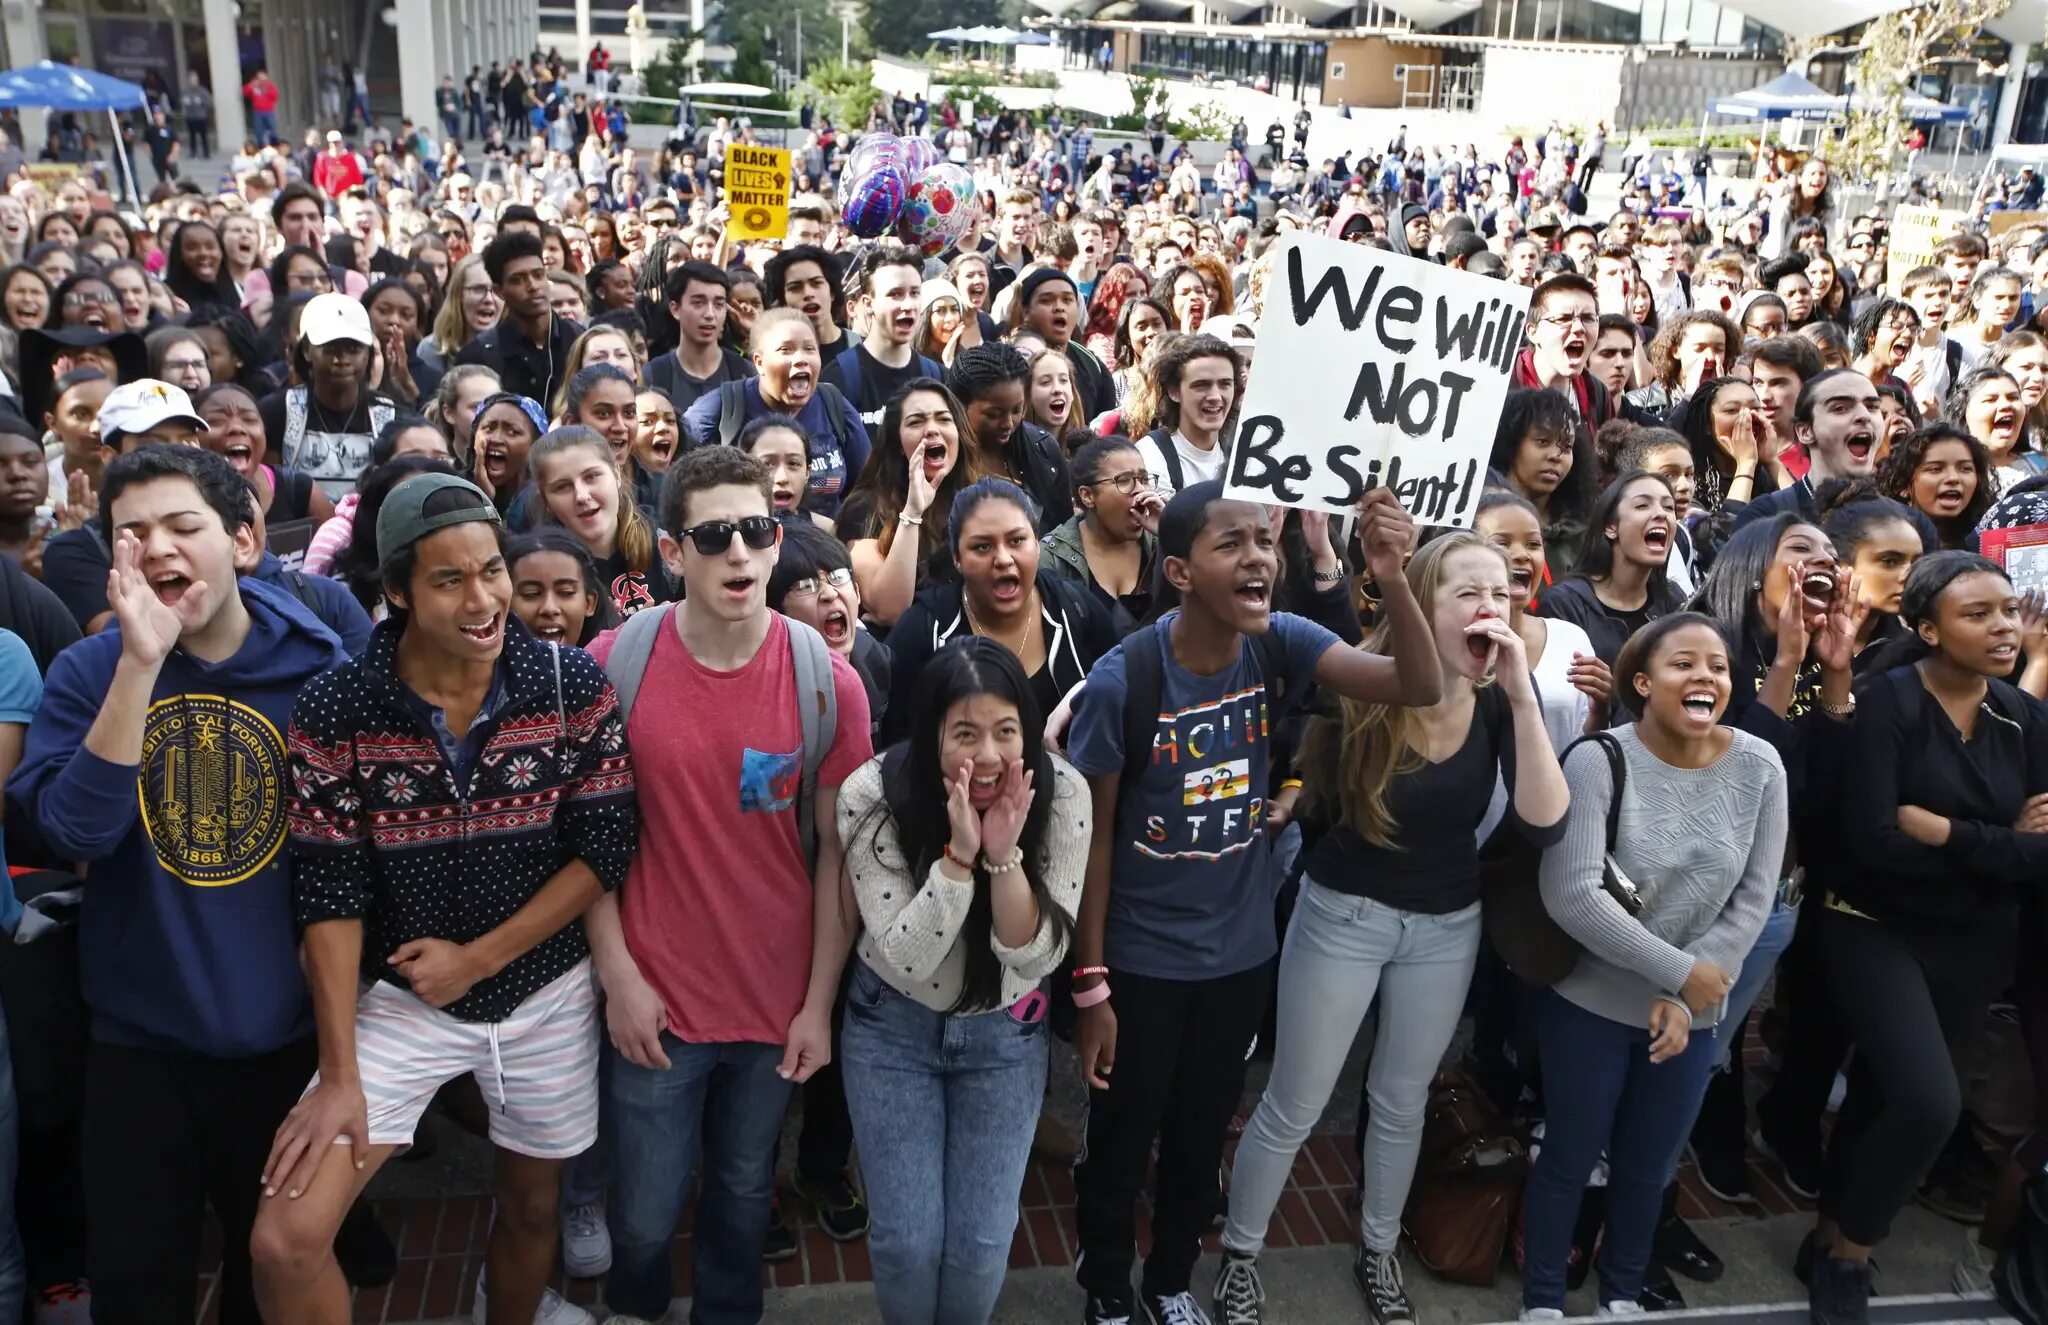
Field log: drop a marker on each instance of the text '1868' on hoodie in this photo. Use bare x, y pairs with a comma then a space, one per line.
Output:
186, 935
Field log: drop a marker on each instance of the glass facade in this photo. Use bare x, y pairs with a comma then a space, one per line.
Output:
1701, 24
1288, 68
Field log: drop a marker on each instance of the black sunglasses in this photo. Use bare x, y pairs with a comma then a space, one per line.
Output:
713, 538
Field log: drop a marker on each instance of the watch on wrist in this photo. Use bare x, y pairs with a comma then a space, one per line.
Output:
1329, 576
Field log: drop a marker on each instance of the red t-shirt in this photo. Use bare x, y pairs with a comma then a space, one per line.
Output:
717, 906
262, 96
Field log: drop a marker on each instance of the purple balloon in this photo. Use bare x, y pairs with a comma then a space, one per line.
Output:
920, 154
872, 202
877, 149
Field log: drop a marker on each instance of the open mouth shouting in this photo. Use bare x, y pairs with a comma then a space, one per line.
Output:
935, 459
785, 495
1817, 588
486, 634
802, 380
836, 626
1480, 645
738, 587
497, 462
1577, 345
2005, 424
1701, 704
550, 629
1008, 588
1521, 580
1861, 445
1657, 538
1255, 593
170, 587
662, 449
983, 788
905, 322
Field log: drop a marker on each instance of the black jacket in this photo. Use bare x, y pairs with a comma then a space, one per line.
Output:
1078, 630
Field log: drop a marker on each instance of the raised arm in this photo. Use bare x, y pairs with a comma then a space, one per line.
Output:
1411, 675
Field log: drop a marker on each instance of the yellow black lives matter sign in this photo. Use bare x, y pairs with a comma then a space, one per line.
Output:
757, 191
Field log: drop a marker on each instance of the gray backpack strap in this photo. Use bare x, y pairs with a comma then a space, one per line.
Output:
630, 652
817, 707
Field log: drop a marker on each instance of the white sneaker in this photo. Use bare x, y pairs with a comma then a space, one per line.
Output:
1541, 1313
1621, 1307
1970, 1276
554, 1309
586, 1242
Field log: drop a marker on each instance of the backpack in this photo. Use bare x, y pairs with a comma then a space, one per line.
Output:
732, 415
848, 361
1176, 476
817, 698
1145, 682
1529, 941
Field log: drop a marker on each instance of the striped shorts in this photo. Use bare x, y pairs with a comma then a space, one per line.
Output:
537, 1069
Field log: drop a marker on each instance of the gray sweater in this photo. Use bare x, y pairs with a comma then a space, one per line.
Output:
1702, 847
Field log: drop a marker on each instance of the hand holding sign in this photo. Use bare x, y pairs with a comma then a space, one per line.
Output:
1375, 370
1387, 533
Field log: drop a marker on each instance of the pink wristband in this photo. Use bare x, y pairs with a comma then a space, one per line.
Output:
1088, 998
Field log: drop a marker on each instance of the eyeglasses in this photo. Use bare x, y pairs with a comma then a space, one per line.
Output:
184, 365
84, 298
713, 538
1587, 320
1131, 481
839, 578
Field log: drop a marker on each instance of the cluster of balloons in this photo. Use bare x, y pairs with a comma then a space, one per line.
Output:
904, 185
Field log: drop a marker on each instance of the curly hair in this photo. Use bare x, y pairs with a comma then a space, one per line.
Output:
1895, 476
1664, 347
1168, 365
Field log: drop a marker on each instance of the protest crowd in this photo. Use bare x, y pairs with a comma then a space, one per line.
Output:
484, 634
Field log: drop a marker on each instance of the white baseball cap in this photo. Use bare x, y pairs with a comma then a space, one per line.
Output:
331, 317
138, 406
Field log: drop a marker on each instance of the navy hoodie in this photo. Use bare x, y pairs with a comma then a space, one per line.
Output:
186, 935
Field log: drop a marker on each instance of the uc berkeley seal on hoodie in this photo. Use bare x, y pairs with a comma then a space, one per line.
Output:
212, 788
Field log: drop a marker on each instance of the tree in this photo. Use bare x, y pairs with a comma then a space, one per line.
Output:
774, 24
1895, 48
899, 26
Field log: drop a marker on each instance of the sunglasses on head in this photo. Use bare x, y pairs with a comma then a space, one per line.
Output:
714, 537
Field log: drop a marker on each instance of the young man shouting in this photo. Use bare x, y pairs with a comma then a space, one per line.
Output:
461, 794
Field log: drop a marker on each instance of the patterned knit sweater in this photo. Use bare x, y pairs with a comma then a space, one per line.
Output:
383, 834
1702, 847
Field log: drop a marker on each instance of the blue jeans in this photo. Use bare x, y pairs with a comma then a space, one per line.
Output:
13, 1261
729, 1097
1341, 951
1771, 942
943, 1112
263, 124
1604, 1093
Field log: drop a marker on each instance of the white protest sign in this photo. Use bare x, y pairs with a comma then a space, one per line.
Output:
1375, 369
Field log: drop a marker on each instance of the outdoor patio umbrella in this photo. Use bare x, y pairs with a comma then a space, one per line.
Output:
47, 85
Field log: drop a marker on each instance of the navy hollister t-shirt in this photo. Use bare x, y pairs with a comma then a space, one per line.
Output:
1192, 885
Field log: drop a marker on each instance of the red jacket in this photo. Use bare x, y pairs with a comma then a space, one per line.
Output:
333, 174
262, 96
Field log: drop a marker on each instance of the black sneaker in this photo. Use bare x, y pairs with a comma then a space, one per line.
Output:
1238, 1290
1959, 1185
1379, 1277
1840, 1294
363, 1249
1800, 1166
1659, 1291
1679, 1248
1172, 1309
781, 1243
1107, 1311
1725, 1173
841, 1212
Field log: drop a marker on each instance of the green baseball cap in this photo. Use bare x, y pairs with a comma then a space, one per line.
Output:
426, 503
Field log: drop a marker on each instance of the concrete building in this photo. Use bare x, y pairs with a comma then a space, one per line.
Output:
1525, 62
404, 45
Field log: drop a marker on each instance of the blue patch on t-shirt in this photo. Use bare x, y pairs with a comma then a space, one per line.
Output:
1191, 893
769, 782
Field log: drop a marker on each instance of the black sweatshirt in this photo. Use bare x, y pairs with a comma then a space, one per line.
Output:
1904, 751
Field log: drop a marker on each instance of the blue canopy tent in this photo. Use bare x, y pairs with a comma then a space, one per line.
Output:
47, 85
1791, 96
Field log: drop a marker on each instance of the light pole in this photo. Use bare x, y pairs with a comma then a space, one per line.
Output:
1638, 56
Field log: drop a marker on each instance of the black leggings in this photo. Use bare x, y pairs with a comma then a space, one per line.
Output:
1910, 1000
